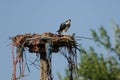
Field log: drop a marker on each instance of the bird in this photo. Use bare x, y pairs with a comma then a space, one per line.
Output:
64, 27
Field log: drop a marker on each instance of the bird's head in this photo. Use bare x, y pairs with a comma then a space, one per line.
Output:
68, 21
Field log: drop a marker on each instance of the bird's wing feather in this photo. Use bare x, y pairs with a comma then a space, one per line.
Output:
62, 27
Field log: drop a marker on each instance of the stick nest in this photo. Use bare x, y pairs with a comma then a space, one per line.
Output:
35, 43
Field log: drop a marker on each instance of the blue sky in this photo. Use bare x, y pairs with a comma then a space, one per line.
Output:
38, 16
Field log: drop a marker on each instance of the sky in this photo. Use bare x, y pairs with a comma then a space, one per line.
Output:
39, 16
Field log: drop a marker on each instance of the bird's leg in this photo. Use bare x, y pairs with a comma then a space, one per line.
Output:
64, 33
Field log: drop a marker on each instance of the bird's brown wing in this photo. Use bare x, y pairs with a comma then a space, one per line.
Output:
62, 27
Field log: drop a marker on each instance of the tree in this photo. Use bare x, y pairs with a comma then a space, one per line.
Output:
96, 67
105, 40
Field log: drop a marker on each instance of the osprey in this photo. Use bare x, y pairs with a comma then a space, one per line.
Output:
64, 27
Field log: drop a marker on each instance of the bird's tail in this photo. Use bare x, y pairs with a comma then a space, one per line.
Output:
58, 32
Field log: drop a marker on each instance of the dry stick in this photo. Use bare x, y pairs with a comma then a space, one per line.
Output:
70, 64
83, 37
26, 63
14, 64
33, 63
35, 60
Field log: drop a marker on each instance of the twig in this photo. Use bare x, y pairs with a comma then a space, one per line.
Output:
83, 37
14, 64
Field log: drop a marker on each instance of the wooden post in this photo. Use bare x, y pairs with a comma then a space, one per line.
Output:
44, 62
43, 67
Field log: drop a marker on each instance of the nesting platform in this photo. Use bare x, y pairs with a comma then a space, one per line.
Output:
35, 43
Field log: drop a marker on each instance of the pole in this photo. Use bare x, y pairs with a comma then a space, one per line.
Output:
43, 66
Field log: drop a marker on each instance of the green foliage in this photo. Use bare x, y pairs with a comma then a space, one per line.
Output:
104, 39
117, 40
96, 67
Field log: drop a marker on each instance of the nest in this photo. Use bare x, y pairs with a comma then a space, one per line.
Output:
35, 43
